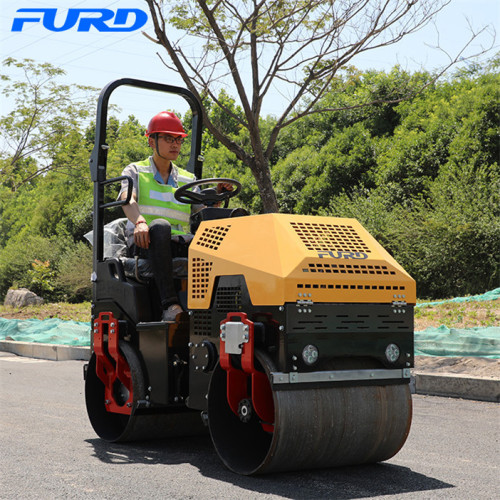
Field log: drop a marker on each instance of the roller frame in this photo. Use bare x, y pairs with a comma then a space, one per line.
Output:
240, 339
107, 371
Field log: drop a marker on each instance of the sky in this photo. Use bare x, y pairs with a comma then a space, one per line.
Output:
96, 58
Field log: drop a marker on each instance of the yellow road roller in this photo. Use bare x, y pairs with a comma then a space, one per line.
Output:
294, 348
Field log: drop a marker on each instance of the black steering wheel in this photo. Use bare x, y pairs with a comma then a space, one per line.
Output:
207, 196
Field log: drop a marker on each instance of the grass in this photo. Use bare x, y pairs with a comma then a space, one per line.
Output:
451, 315
60, 310
458, 315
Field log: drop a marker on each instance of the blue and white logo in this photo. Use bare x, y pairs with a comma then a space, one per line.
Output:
105, 21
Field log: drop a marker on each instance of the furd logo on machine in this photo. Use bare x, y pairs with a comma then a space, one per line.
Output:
342, 255
106, 20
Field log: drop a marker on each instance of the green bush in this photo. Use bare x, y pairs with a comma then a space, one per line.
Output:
75, 268
17, 257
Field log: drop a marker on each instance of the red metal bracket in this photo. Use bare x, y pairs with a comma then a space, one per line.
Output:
237, 380
111, 370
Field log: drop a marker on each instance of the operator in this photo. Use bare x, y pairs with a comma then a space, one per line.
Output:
154, 215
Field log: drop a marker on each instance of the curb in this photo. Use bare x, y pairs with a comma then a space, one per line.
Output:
50, 352
457, 386
431, 384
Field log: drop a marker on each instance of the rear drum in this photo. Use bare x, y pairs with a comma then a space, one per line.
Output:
154, 423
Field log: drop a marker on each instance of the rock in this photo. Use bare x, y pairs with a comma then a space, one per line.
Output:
21, 297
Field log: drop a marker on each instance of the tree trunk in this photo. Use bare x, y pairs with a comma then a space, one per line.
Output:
262, 174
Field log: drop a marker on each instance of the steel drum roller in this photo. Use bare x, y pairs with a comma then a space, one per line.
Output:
115, 427
313, 428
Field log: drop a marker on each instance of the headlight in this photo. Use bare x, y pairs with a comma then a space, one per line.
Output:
310, 354
392, 353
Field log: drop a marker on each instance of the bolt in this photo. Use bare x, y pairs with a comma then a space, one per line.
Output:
193, 356
190, 344
407, 364
245, 328
147, 397
281, 328
299, 310
281, 308
149, 389
107, 402
206, 355
223, 336
294, 367
129, 405
176, 399
294, 358
222, 327
196, 367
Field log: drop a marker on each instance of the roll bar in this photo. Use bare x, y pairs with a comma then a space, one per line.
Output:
98, 158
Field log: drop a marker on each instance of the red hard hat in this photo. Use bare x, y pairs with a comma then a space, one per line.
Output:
167, 123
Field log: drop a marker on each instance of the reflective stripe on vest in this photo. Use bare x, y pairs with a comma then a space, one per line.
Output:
156, 201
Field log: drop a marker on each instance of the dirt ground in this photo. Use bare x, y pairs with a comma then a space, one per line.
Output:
479, 367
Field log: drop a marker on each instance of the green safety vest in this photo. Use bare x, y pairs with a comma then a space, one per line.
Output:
156, 201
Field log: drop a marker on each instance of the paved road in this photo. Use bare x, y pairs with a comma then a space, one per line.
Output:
48, 450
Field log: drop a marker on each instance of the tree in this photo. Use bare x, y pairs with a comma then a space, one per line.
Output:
45, 115
301, 45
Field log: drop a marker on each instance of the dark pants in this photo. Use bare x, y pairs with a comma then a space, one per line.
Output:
159, 255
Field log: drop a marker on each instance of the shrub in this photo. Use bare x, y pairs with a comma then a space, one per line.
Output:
18, 255
75, 268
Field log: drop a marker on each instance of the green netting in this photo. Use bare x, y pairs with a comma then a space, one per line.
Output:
491, 295
456, 342
48, 331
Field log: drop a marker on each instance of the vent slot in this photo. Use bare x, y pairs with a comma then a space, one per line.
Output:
351, 322
212, 237
348, 269
228, 299
328, 237
202, 323
319, 286
200, 277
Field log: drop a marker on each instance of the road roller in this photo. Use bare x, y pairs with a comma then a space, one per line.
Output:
294, 348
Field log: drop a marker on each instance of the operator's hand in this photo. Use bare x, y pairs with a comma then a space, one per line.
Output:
224, 186
141, 234
221, 187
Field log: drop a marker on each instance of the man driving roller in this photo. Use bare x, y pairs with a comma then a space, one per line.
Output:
154, 215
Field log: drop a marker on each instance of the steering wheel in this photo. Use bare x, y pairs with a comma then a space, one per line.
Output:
207, 196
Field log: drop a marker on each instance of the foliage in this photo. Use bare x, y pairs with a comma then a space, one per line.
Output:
299, 47
422, 175
17, 257
40, 279
42, 132
75, 268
